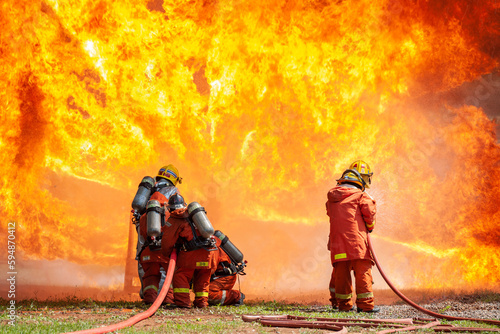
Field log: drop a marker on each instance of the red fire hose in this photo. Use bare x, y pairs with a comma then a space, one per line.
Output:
412, 304
146, 314
340, 325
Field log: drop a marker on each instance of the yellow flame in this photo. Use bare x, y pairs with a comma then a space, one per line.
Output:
261, 105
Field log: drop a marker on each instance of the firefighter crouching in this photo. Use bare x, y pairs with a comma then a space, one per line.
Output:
160, 189
352, 216
196, 259
161, 235
151, 259
223, 279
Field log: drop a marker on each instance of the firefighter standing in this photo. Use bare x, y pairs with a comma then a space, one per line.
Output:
223, 280
352, 216
148, 252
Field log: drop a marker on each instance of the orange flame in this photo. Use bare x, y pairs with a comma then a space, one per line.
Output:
261, 105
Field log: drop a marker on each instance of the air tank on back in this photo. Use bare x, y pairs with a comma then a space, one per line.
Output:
199, 217
154, 218
228, 247
143, 193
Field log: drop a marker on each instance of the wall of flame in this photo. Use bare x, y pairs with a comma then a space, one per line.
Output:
261, 105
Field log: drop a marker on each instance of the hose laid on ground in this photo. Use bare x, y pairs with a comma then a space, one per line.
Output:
144, 315
340, 325
412, 304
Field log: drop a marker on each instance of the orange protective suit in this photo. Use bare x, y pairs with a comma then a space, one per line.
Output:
221, 288
196, 265
171, 231
333, 299
331, 286
352, 216
152, 261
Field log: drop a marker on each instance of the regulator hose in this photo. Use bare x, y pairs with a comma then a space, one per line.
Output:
144, 315
412, 304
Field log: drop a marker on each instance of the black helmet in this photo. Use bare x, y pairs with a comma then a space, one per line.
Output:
175, 202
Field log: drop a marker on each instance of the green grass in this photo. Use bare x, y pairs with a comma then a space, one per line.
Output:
72, 314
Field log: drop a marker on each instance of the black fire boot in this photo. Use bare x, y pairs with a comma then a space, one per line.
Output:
374, 310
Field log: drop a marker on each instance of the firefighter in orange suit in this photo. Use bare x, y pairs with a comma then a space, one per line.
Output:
352, 216
223, 280
153, 260
196, 265
150, 260
175, 224
157, 255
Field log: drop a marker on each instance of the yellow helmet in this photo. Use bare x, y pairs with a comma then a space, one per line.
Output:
170, 173
352, 176
364, 169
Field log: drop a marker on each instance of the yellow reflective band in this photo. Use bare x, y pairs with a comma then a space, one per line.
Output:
150, 287
370, 225
181, 290
365, 295
202, 264
201, 294
340, 296
340, 256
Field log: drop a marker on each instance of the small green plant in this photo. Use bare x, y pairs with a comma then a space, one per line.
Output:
444, 309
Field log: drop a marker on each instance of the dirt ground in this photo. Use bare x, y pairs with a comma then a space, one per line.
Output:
204, 316
460, 305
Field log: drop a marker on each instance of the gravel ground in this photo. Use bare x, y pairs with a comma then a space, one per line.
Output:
479, 304
480, 310
203, 320
465, 307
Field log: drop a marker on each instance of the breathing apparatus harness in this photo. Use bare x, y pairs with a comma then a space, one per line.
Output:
358, 174
198, 241
146, 184
136, 215
160, 185
229, 269
237, 264
154, 243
